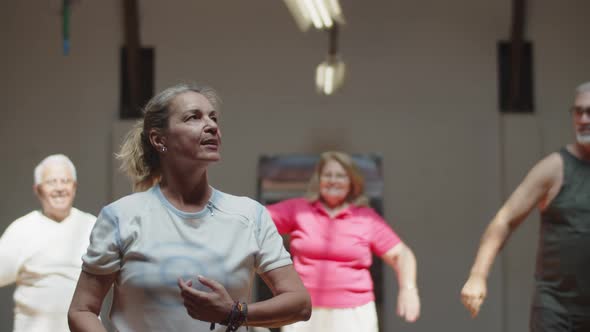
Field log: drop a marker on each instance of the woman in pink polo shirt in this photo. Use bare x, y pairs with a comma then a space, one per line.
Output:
333, 234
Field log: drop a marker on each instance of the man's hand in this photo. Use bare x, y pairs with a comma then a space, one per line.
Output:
474, 293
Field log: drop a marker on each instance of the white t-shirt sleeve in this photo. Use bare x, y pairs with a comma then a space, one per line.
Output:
271, 254
104, 251
11, 243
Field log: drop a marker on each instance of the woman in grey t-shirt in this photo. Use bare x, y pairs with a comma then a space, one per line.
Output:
180, 254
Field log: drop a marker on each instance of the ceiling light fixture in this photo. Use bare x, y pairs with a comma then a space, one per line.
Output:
330, 73
322, 14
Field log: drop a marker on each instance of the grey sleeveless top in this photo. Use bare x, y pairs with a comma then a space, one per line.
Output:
562, 278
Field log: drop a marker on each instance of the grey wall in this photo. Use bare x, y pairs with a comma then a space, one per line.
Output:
421, 90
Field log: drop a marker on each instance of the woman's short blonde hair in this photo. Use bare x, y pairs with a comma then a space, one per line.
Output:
356, 195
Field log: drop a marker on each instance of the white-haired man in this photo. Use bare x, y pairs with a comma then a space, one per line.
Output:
41, 251
560, 186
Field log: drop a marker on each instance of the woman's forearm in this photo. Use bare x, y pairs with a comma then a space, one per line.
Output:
402, 260
283, 309
405, 267
84, 321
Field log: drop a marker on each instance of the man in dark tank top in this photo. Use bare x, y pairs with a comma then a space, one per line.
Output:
560, 186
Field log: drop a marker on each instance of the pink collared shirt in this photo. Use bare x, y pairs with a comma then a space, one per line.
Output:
333, 255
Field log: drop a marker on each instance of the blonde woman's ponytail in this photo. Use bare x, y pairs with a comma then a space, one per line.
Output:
133, 158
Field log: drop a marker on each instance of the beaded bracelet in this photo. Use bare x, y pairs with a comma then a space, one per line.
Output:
236, 318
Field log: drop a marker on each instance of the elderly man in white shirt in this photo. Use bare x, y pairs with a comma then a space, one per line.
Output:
41, 251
